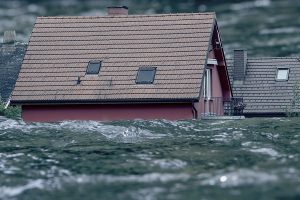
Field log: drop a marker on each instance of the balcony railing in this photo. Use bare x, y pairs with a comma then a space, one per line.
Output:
218, 106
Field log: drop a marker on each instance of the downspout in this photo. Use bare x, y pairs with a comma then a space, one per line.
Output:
195, 111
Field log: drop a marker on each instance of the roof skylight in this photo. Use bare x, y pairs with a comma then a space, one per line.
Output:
93, 67
145, 75
282, 74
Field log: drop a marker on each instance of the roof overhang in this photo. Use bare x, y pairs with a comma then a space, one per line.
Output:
114, 101
221, 51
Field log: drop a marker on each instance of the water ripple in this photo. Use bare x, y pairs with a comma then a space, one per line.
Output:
239, 177
59, 183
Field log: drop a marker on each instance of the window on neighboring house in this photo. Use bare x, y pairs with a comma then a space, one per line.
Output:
93, 67
207, 84
145, 75
282, 74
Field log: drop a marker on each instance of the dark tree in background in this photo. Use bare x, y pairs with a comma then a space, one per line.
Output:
264, 27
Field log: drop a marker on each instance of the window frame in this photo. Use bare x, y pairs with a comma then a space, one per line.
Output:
93, 62
145, 82
207, 84
287, 75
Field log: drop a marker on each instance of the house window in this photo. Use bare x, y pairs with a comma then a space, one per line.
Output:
145, 75
93, 67
282, 74
207, 84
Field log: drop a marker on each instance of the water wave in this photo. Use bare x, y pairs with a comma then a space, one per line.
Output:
118, 133
60, 183
238, 177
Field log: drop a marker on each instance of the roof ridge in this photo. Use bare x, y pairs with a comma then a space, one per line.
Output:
126, 16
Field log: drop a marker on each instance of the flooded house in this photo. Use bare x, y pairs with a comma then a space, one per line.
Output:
11, 56
121, 66
269, 86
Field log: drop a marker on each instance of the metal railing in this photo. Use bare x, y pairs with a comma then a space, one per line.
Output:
219, 106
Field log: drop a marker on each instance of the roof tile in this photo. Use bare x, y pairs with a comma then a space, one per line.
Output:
260, 90
61, 47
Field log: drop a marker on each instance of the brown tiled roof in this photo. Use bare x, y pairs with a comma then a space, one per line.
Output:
260, 90
61, 47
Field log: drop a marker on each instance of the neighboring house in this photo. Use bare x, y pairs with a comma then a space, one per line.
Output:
268, 86
120, 66
11, 56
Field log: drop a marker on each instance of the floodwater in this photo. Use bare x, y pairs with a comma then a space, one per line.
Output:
252, 159
148, 160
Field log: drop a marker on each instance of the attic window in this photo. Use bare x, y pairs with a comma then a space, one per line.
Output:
145, 75
93, 67
282, 74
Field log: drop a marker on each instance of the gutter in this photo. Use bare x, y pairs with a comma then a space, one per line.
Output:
111, 101
195, 111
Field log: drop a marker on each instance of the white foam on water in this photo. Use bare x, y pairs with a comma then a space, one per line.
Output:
129, 134
144, 156
250, 144
169, 163
238, 177
147, 193
14, 155
5, 166
228, 136
221, 137
59, 183
15, 191
10, 124
270, 136
132, 134
258, 148
113, 132
147, 178
266, 151
6, 123
219, 122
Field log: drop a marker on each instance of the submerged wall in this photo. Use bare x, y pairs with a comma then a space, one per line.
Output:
53, 113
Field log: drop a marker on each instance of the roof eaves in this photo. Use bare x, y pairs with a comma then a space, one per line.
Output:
90, 101
207, 53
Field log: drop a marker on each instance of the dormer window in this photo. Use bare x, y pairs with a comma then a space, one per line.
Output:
282, 74
145, 75
93, 67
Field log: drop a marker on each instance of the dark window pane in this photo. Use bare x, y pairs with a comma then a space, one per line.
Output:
146, 75
93, 67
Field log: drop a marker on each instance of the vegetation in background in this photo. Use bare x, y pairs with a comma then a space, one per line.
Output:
264, 27
13, 112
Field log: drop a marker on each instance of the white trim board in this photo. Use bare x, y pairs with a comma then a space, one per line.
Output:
211, 61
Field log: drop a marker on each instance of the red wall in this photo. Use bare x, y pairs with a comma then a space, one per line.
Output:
52, 113
220, 83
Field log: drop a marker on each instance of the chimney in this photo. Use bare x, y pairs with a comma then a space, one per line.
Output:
239, 64
9, 37
117, 10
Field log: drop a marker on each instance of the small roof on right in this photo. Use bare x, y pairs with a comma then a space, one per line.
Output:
268, 85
